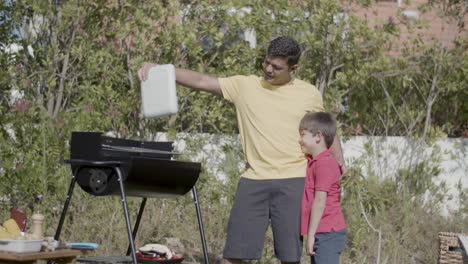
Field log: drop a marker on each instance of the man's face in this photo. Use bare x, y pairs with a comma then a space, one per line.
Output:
276, 70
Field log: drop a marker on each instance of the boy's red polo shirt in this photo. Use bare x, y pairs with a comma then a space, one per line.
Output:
323, 174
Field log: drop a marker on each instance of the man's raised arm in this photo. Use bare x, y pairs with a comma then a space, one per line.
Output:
188, 78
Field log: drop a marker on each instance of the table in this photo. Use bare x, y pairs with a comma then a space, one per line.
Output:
59, 256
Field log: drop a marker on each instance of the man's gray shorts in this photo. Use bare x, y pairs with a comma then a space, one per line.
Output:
257, 203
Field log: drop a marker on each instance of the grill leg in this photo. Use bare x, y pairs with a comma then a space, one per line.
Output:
65, 206
200, 224
137, 223
127, 217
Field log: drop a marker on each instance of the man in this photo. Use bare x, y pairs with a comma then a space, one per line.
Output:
269, 109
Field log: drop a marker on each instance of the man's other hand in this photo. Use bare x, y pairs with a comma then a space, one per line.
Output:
343, 169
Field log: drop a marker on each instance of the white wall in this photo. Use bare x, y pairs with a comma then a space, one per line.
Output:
382, 157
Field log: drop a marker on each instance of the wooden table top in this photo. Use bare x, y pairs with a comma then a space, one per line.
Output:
60, 253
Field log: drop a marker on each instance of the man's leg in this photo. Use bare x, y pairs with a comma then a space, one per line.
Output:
285, 210
231, 261
248, 221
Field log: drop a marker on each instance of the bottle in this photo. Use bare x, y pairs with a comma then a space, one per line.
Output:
36, 229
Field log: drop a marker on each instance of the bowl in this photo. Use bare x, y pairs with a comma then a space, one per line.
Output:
20, 246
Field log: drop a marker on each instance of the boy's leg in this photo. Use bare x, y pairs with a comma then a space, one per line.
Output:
285, 210
328, 247
248, 221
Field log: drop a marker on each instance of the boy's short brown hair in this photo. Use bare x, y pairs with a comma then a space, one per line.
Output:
322, 122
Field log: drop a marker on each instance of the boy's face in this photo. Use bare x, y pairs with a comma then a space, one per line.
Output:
276, 70
308, 141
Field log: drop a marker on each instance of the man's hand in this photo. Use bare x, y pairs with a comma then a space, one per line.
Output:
143, 71
310, 245
343, 168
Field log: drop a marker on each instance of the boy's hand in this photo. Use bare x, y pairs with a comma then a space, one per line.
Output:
310, 245
143, 71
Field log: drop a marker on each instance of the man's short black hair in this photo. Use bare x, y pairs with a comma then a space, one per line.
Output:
285, 47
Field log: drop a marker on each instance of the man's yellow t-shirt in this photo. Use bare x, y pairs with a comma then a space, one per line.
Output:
268, 117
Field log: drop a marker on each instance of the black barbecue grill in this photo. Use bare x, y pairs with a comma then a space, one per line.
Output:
110, 166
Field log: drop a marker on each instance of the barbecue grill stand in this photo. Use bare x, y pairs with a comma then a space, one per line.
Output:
115, 165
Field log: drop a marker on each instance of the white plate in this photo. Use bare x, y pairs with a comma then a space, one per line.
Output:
20, 246
158, 92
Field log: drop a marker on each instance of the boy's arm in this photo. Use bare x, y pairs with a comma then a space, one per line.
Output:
337, 152
318, 206
188, 78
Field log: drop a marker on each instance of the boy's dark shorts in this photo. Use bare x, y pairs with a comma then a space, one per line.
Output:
328, 247
257, 203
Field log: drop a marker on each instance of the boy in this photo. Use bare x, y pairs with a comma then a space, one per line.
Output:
321, 220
